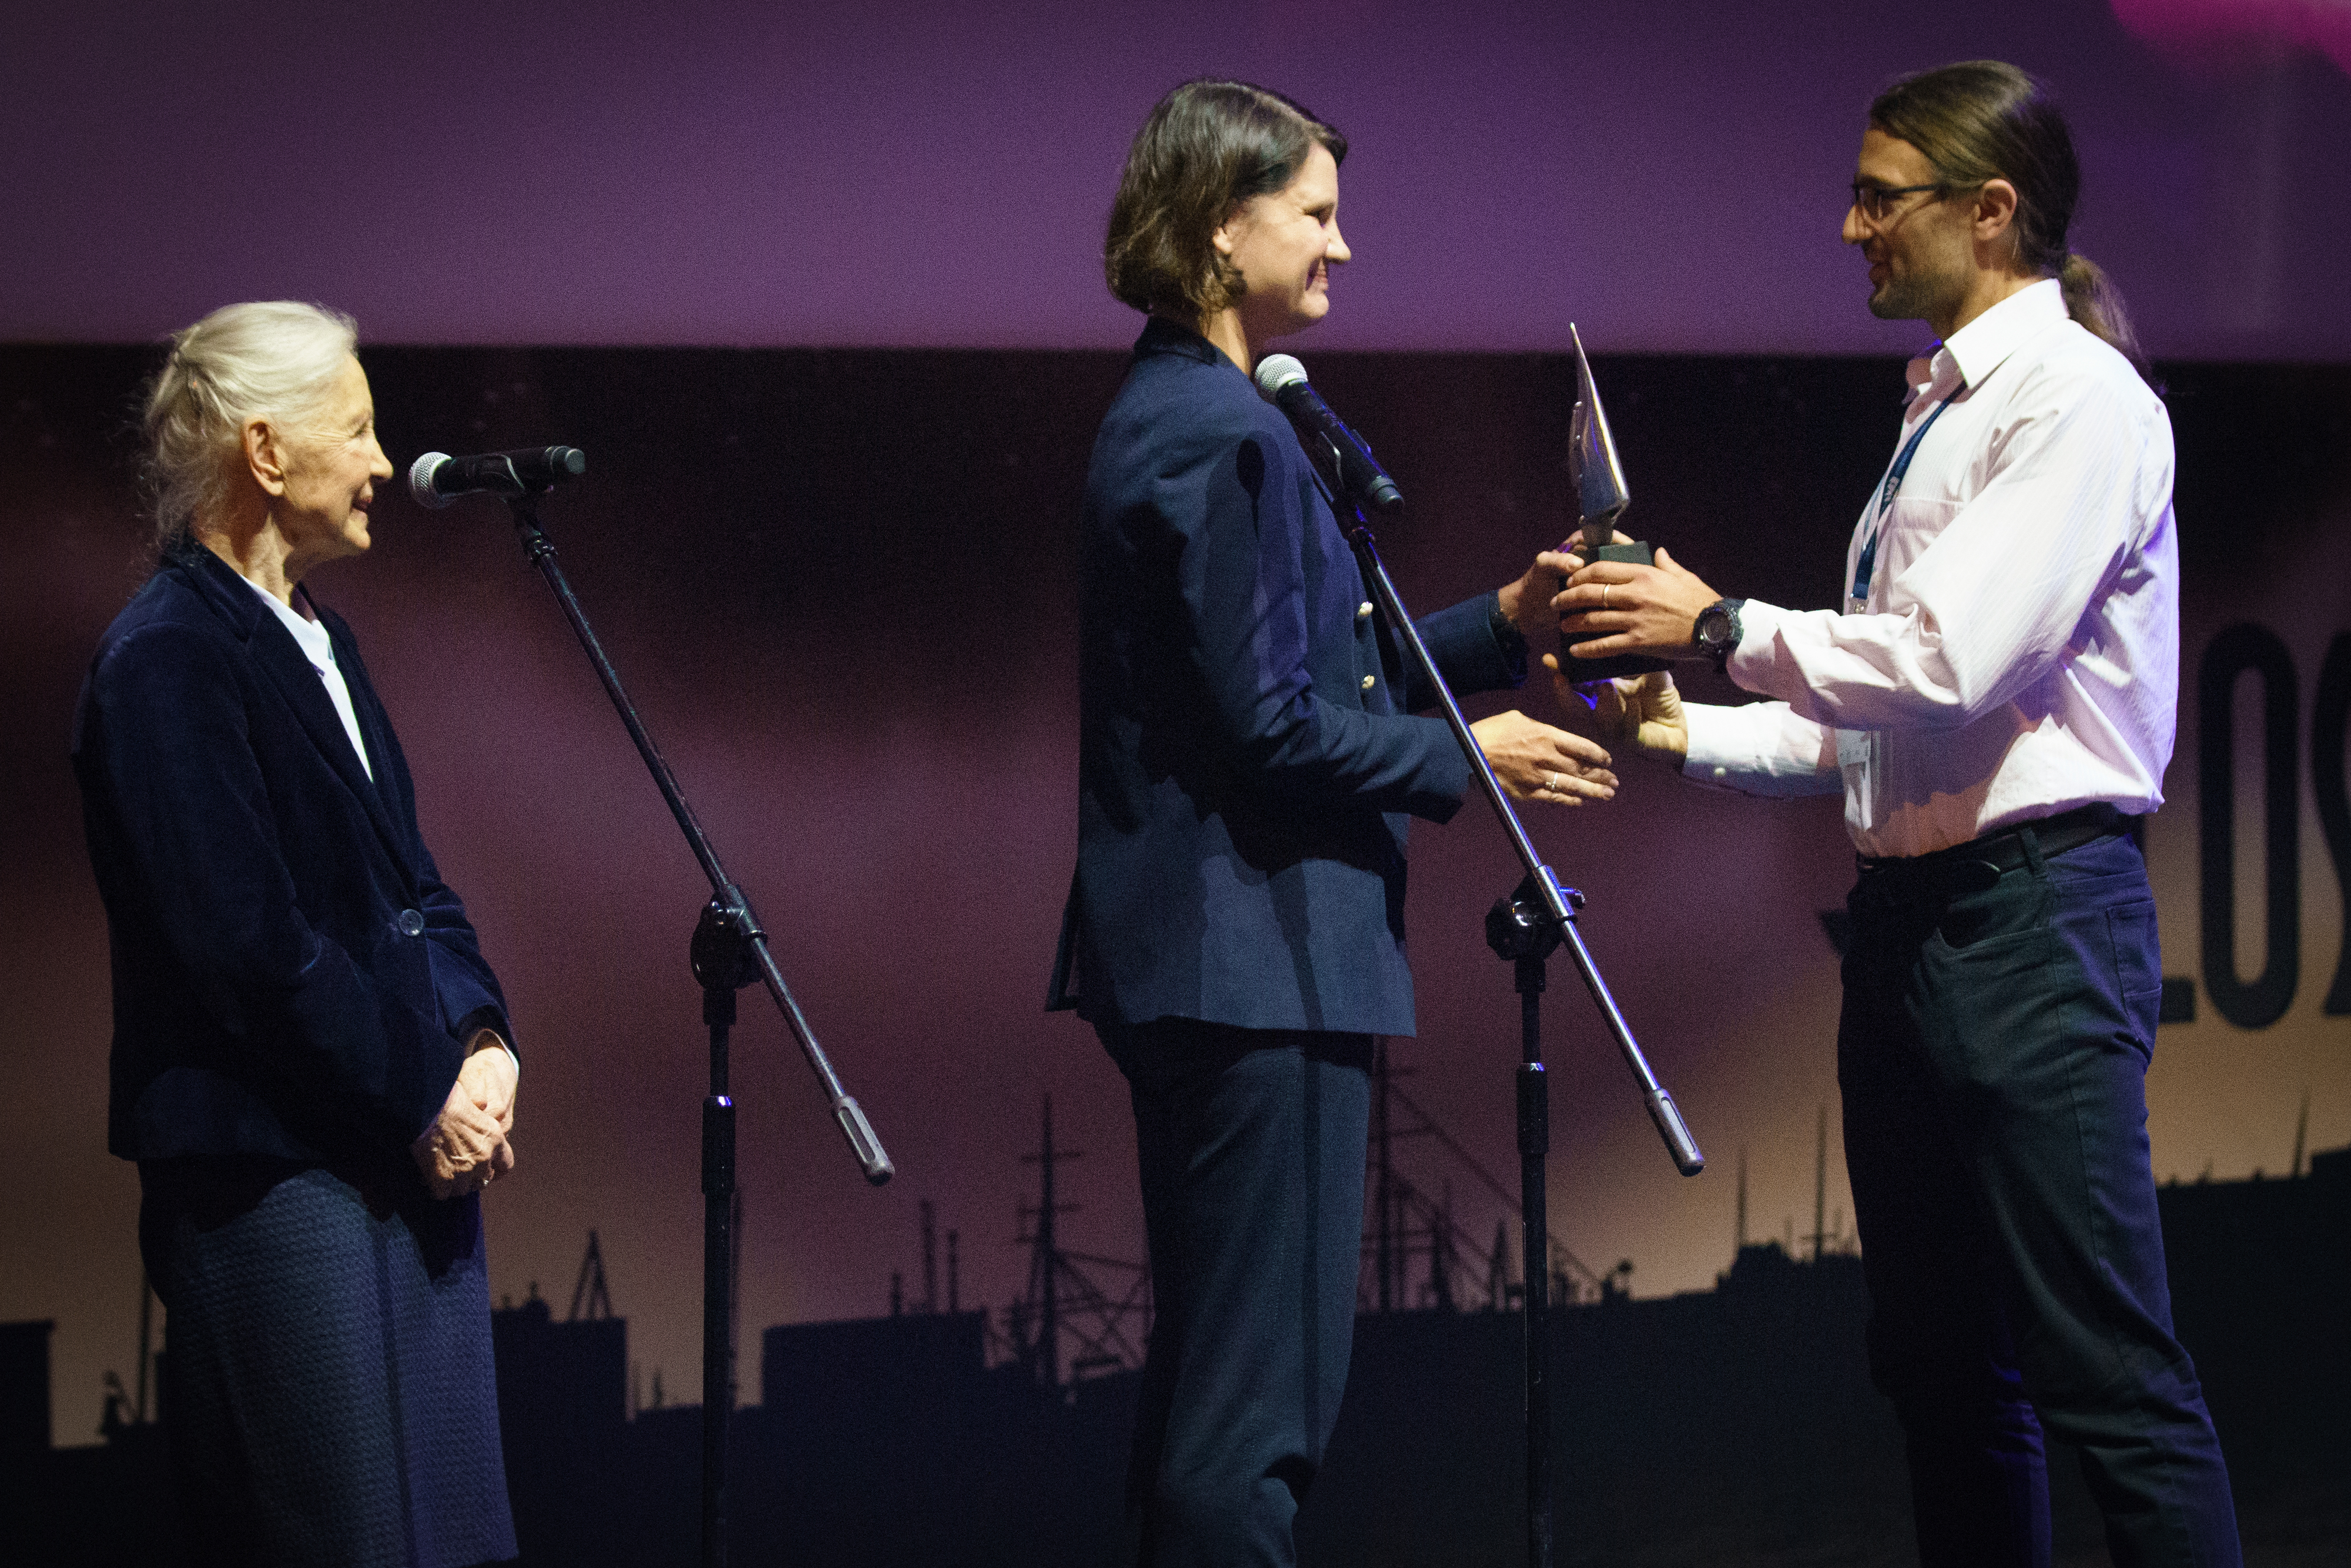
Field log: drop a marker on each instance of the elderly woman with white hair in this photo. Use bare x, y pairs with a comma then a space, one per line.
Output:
311, 1063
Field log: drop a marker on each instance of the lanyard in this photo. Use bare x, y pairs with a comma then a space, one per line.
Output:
1864, 567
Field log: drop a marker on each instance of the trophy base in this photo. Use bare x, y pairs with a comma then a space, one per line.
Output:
1637, 554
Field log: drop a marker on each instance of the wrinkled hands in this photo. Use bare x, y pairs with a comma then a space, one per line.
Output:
469, 1143
489, 1075
1533, 761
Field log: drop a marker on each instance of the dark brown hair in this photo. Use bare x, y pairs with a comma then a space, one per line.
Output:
1984, 119
1208, 146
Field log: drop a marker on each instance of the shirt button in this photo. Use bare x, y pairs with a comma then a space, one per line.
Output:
1722, 773
411, 923
1368, 683
1364, 611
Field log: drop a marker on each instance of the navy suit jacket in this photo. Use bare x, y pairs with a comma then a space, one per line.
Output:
1248, 765
291, 976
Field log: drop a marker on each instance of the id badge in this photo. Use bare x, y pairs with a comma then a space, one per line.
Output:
1853, 747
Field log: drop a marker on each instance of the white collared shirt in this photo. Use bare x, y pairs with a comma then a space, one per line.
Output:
2017, 654
319, 649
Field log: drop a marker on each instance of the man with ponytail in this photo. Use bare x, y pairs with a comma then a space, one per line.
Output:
1995, 696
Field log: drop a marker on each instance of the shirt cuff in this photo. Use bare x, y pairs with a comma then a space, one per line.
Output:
1761, 749
1750, 665
1713, 756
491, 1019
505, 1047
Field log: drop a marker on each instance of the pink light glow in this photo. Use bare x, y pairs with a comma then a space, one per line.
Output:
2188, 28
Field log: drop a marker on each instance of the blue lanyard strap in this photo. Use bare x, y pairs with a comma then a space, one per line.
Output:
1866, 567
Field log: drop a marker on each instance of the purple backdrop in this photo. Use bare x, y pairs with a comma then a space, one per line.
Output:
746, 171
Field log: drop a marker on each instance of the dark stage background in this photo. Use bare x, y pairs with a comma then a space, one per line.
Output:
840, 584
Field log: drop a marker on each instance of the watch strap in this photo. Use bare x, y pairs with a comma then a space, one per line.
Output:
1726, 611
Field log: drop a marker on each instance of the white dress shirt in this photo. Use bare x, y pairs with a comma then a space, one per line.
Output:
2017, 654
319, 649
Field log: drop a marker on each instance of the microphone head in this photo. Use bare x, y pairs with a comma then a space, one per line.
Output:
1276, 371
420, 481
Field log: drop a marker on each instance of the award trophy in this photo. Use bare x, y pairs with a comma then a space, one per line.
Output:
1600, 498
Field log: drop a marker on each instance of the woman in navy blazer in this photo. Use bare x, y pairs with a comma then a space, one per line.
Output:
1249, 763
311, 1059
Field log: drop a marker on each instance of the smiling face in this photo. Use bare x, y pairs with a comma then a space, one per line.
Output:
321, 474
1921, 252
1284, 244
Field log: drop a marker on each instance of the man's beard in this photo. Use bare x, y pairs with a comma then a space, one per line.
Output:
1914, 298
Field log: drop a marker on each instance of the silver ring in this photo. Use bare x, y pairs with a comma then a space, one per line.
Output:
1551, 784
1604, 594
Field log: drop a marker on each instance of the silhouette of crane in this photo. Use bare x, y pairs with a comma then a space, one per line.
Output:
1403, 1222
590, 1294
1107, 1325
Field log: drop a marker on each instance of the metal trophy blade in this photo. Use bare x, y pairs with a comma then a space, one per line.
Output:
1600, 498
1601, 492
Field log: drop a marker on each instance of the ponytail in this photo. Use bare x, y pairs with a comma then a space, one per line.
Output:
2094, 301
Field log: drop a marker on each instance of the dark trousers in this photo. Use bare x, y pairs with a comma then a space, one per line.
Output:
1993, 1056
1252, 1147
329, 1390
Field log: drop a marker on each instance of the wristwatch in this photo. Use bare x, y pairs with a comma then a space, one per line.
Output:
1715, 633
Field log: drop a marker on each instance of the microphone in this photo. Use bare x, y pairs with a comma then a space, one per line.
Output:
436, 478
1282, 379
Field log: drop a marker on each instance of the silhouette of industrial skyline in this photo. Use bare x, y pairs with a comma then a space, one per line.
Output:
1730, 1425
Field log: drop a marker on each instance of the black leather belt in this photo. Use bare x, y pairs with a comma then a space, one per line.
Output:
2003, 852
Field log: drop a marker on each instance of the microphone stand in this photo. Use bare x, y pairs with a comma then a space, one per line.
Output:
730, 950
1525, 927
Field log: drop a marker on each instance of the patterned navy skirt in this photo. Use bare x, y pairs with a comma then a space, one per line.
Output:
328, 1385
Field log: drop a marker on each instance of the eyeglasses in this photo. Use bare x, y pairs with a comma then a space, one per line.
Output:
1876, 201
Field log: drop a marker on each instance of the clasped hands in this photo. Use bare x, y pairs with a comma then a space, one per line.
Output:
470, 1142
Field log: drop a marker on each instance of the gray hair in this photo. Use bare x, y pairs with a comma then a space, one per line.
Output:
267, 360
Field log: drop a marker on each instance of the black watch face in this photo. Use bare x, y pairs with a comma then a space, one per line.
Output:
1714, 628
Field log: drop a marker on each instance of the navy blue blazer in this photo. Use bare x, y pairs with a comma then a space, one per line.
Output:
291, 976
1248, 765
